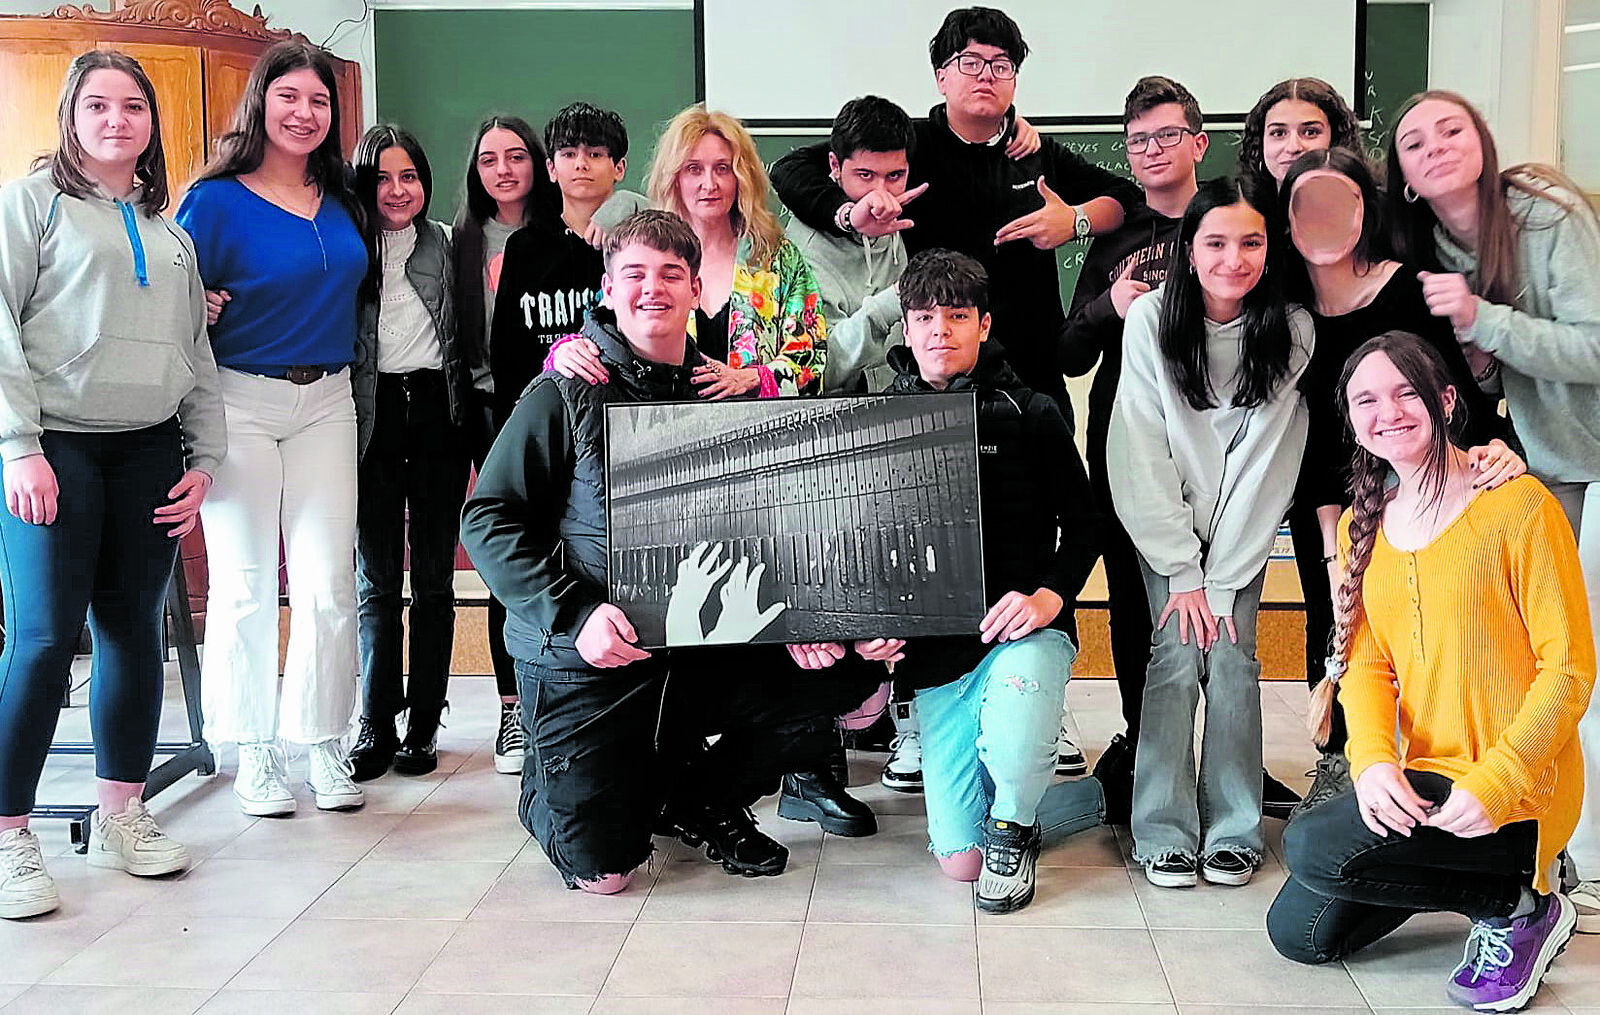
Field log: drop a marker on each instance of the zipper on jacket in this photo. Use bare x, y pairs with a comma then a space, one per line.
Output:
131, 225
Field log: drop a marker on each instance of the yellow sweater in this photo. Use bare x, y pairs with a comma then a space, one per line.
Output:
1480, 644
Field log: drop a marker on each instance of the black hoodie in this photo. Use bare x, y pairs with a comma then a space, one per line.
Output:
974, 189
1094, 331
1040, 528
535, 525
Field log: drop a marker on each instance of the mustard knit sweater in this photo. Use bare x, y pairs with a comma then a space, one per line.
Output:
1479, 643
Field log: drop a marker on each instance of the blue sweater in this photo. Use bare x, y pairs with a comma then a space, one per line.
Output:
293, 281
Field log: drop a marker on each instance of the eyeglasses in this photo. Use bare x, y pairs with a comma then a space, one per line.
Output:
971, 64
1166, 137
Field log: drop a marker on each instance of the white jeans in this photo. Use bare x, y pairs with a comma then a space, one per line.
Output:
1581, 501
291, 467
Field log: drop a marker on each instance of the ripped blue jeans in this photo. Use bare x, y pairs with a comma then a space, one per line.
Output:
989, 747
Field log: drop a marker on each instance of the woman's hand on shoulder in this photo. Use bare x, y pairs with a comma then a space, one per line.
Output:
580, 358
31, 489
1495, 463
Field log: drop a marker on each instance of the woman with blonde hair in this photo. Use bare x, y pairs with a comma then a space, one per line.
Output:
758, 323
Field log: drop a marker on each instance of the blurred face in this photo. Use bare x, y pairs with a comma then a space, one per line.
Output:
945, 341
1439, 149
1325, 212
862, 173
1387, 415
653, 295
585, 172
1229, 255
505, 166
1158, 168
299, 112
400, 193
111, 118
983, 96
1293, 128
706, 183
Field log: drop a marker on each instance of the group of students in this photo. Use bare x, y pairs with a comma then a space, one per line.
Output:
305, 356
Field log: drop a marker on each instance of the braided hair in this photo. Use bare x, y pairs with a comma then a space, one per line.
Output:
1371, 493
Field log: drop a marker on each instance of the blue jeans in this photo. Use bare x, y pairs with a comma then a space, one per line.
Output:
989, 747
104, 554
1168, 814
415, 459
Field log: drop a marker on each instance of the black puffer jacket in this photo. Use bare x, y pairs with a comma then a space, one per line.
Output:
535, 525
1040, 528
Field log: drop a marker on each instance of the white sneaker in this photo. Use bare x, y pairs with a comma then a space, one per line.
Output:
1586, 900
903, 770
26, 888
132, 842
1069, 758
330, 774
262, 785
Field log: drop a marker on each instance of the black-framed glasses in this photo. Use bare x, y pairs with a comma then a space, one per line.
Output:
971, 64
1166, 137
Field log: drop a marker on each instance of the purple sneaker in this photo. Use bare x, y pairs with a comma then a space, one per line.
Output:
1505, 960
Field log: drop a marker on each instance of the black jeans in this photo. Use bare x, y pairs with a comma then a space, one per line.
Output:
608, 749
412, 482
1318, 598
1349, 887
104, 555
482, 428
1131, 628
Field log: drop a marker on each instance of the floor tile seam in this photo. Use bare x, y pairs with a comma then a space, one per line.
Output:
432, 959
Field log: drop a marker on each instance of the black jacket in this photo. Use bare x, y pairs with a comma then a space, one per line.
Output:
974, 189
535, 525
1040, 528
549, 277
1094, 331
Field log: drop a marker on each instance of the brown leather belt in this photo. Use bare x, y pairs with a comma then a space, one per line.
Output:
304, 375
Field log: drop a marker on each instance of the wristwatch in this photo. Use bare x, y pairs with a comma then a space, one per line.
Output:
1080, 224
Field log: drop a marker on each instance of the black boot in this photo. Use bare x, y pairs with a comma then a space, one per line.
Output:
1332, 778
1115, 772
730, 837
821, 797
419, 752
1277, 800
374, 748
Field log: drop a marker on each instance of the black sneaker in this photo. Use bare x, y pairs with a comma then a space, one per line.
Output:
1330, 778
1010, 856
1174, 870
374, 749
511, 742
1229, 867
1277, 800
731, 838
819, 796
1115, 772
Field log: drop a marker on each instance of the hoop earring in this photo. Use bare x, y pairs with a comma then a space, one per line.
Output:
1409, 194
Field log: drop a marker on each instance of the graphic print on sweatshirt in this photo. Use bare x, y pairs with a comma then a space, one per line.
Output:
1149, 264
560, 310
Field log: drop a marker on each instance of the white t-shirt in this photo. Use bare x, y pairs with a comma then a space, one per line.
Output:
407, 339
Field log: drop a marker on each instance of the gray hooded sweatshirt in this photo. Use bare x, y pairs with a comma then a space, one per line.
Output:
855, 280
102, 322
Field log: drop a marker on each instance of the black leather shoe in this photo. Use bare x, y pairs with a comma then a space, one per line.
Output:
374, 748
731, 838
821, 797
1277, 800
419, 751
1115, 772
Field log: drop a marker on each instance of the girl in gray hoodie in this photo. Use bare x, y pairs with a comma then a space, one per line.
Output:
1516, 269
110, 430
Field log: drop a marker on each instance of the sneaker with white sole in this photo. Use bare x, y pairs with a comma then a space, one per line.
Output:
903, 771
1585, 898
511, 743
1069, 759
330, 777
132, 841
1010, 859
1505, 960
26, 888
1229, 867
1172, 870
262, 784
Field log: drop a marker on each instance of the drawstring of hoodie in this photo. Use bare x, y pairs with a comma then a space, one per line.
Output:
131, 224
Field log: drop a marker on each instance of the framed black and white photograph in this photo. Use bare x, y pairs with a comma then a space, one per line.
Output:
795, 520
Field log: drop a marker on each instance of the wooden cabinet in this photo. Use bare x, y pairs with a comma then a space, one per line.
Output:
198, 54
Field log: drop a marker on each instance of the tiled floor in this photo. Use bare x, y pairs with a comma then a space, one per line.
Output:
433, 900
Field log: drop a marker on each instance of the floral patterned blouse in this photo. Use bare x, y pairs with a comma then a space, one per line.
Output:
775, 323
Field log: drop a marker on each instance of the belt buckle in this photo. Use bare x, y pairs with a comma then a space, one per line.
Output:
304, 375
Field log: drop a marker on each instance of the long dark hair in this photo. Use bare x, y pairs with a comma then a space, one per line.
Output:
1425, 371
1266, 341
1343, 127
480, 205
66, 162
369, 150
1411, 223
241, 149
1372, 246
